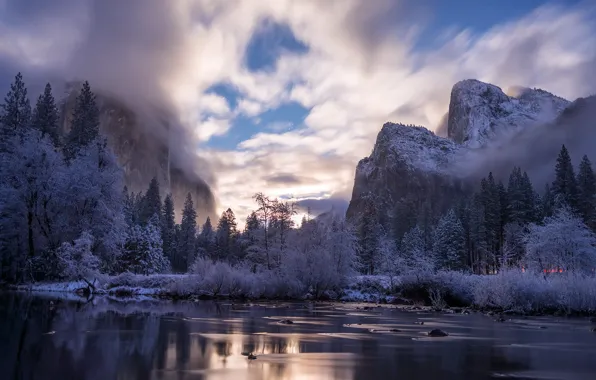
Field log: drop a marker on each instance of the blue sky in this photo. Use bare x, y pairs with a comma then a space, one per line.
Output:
273, 40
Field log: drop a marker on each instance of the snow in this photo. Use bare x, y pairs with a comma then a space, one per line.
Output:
414, 146
480, 111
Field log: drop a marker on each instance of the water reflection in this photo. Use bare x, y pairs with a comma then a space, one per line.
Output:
53, 339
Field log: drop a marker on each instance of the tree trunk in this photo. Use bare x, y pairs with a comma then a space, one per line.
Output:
30, 234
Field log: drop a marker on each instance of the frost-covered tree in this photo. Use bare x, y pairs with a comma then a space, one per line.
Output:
143, 253
280, 226
563, 242
168, 228
390, 262
586, 184
264, 214
92, 190
414, 255
77, 261
187, 240
449, 242
45, 116
84, 129
15, 112
30, 179
343, 247
564, 187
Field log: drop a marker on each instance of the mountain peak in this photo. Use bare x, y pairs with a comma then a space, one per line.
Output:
478, 111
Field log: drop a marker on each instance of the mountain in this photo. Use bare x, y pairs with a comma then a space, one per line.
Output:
414, 176
140, 136
481, 112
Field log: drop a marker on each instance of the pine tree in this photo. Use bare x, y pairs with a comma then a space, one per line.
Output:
15, 113
413, 253
151, 202
515, 196
587, 193
206, 239
449, 243
143, 250
548, 202
368, 238
168, 228
565, 185
492, 218
45, 116
530, 212
187, 244
225, 236
85, 122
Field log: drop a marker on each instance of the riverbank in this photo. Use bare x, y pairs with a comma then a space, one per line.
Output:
510, 292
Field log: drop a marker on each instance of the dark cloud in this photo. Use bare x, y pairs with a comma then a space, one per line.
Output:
319, 206
288, 179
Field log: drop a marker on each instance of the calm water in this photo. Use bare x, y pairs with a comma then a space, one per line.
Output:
45, 338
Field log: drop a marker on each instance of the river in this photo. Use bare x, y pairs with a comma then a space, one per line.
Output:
43, 337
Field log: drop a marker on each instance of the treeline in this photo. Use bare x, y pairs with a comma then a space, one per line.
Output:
496, 227
65, 213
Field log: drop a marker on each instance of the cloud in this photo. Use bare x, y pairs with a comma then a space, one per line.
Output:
360, 67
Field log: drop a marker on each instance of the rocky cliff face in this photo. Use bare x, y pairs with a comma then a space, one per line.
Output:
140, 141
480, 112
414, 175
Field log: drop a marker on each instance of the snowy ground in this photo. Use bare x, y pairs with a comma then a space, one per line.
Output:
513, 291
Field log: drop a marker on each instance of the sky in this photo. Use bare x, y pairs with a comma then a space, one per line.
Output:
286, 96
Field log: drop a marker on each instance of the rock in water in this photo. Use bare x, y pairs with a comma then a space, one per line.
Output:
436, 333
286, 322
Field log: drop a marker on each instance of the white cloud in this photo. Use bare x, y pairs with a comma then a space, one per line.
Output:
361, 69
249, 107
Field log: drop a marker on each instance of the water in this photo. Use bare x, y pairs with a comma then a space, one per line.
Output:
45, 338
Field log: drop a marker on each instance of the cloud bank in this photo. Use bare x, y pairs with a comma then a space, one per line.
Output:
356, 65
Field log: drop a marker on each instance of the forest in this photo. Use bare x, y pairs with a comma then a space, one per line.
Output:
66, 215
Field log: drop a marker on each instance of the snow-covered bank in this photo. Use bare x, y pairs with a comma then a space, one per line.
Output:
513, 290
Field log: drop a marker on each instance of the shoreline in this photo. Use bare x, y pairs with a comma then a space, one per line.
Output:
71, 292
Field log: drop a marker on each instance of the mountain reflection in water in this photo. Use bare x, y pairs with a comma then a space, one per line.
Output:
46, 338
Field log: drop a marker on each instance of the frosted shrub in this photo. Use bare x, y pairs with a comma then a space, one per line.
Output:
76, 260
563, 242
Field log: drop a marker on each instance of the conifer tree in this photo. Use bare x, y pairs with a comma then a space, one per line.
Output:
587, 193
225, 236
449, 243
151, 202
206, 238
45, 116
188, 235
85, 122
564, 187
368, 239
548, 202
168, 228
15, 113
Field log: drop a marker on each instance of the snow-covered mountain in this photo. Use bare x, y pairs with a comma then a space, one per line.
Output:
480, 112
413, 173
